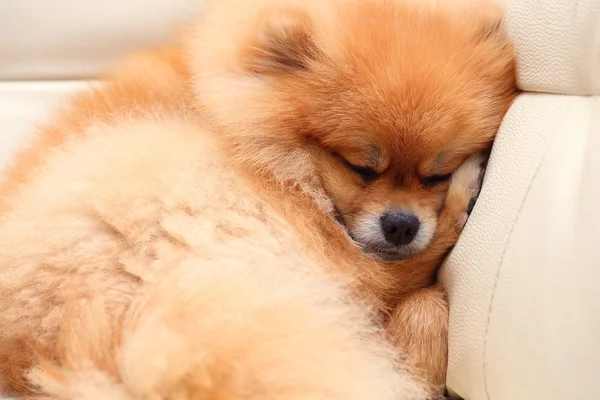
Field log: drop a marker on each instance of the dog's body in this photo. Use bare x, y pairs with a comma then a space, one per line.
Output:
231, 302
146, 252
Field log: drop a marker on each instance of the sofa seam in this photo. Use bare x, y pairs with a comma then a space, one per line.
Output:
497, 275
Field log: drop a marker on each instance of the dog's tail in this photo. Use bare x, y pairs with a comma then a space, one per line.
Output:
227, 331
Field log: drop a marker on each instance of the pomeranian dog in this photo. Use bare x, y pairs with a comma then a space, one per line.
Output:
256, 212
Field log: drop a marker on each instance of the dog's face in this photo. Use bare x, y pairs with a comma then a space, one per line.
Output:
387, 161
386, 98
389, 192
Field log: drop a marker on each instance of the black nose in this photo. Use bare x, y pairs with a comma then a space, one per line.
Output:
399, 228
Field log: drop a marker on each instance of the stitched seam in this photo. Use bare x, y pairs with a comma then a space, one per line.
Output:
493, 296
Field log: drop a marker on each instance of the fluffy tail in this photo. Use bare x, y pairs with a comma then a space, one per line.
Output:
227, 331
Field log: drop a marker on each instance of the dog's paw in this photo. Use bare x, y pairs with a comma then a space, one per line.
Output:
465, 186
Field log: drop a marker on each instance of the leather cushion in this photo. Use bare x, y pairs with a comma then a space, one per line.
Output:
557, 44
74, 39
522, 281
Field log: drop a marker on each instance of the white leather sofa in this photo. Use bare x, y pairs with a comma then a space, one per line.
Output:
524, 279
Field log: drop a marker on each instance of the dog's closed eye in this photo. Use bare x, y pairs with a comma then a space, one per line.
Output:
434, 180
367, 174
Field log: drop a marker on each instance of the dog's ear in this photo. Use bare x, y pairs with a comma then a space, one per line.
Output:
283, 43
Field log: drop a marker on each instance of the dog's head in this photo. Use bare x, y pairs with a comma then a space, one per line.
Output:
381, 99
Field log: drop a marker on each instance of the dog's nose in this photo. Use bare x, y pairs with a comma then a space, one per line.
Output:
399, 228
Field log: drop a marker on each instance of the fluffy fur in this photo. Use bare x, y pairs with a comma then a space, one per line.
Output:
381, 100
172, 233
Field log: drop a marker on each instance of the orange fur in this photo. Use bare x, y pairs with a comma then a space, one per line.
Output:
419, 328
188, 206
